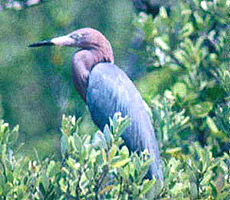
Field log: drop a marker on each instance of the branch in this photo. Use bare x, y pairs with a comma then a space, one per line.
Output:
101, 179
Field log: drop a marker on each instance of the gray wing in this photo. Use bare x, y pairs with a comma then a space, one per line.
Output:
109, 91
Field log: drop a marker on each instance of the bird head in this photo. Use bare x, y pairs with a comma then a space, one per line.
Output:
85, 38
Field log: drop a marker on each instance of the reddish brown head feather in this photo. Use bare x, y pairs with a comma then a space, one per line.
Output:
95, 48
91, 39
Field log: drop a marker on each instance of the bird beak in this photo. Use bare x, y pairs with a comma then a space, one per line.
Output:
59, 41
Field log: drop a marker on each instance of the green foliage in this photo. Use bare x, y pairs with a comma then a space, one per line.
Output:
197, 175
94, 167
191, 171
168, 123
192, 40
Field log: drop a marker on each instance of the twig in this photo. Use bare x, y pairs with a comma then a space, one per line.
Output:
101, 179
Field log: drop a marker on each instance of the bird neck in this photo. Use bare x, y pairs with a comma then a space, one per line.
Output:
103, 52
102, 55
82, 64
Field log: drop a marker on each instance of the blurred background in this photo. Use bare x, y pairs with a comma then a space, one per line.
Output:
176, 52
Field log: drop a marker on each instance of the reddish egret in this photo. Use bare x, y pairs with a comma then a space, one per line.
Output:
106, 89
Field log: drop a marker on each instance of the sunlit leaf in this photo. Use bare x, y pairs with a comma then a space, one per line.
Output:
107, 188
148, 185
202, 109
119, 163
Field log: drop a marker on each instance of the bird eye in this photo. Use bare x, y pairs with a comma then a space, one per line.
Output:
76, 36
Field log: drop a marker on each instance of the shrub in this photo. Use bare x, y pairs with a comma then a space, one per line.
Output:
94, 167
190, 43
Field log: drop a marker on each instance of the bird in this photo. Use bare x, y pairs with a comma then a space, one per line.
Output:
106, 89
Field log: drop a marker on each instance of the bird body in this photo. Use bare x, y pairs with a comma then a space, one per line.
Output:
110, 91
106, 89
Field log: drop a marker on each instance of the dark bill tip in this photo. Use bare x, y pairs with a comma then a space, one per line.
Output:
43, 43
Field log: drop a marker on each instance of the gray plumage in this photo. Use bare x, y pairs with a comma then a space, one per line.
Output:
109, 91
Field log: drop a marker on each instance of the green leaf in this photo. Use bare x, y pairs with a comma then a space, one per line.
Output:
117, 162
4, 131
10, 176
173, 151
107, 134
147, 25
201, 110
42, 190
163, 13
124, 124
13, 136
180, 89
187, 30
89, 174
182, 57
7, 188
21, 192
106, 189
144, 169
193, 190
64, 144
124, 152
99, 140
148, 185
112, 152
214, 130
104, 156
199, 19
162, 43
45, 181
52, 169
77, 142
73, 164
63, 185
